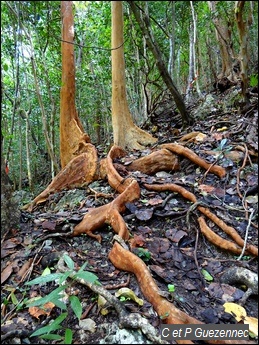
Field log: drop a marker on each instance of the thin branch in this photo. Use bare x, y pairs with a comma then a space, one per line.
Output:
246, 235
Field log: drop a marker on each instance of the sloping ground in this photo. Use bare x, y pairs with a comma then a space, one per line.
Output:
189, 270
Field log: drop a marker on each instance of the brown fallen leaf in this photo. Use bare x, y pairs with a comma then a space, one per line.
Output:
137, 241
155, 201
234, 155
49, 225
189, 136
144, 214
207, 189
45, 310
217, 136
11, 243
8, 270
23, 270
5, 253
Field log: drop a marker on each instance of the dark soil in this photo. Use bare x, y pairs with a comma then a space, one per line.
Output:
163, 224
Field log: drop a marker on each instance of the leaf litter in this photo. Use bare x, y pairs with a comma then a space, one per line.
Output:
168, 242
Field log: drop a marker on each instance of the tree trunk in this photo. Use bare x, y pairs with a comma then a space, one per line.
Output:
223, 36
10, 213
195, 65
28, 159
20, 155
171, 62
126, 133
191, 76
153, 46
72, 136
85, 168
243, 39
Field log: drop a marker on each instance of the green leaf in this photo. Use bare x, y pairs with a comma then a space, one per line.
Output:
123, 298
45, 279
58, 303
68, 336
76, 306
46, 272
55, 325
64, 277
87, 276
69, 261
58, 320
254, 80
45, 330
143, 253
14, 299
51, 297
206, 275
171, 288
51, 337
223, 143
82, 267
5, 301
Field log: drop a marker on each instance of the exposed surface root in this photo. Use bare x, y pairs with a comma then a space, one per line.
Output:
128, 190
210, 235
184, 151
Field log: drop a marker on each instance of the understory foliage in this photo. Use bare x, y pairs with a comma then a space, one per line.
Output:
31, 71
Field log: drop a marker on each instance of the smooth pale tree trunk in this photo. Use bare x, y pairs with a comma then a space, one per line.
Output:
171, 61
193, 70
125, 133
72, 136
191, 76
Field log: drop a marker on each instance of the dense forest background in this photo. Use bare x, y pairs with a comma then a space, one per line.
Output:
198, 41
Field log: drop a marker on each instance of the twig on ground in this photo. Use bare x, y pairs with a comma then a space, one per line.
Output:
191, 209
246, 235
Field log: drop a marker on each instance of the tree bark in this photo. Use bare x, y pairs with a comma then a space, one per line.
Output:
10, 213
223, 36
154, 48
126, 133
243, 39
72, 137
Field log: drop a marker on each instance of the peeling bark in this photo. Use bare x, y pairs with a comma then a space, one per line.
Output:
79, 172
72, 137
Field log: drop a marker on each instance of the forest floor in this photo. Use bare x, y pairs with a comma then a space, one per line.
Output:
164, 233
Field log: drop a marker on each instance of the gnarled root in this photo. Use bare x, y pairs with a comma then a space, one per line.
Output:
109, 214
211, 236
80, 171
184, 151
161, 160
127, 261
